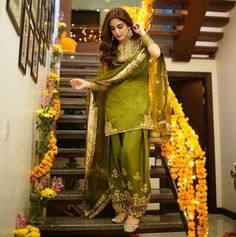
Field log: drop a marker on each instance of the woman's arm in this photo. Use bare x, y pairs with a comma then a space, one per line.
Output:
80, 84
147, 41
122, 75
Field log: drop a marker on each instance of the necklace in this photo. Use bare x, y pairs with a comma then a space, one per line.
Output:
126, 50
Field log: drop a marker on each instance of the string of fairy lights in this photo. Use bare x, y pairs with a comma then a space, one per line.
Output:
87, 34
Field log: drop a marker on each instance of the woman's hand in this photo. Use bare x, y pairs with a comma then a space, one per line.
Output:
137, 28
153, 49
79, 84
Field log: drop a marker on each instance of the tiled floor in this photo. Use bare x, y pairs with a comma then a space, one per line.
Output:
218, 225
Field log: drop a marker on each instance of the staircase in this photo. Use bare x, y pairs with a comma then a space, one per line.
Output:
62, 218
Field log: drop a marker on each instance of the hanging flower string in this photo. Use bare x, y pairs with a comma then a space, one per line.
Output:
187, 161
141, 14
47, 115
182, 149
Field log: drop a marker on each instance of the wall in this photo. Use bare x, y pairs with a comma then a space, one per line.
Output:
20, 97
226, 58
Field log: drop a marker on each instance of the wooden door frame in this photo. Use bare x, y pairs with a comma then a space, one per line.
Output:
210, 163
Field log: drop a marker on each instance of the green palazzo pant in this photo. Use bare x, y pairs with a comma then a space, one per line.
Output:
129, 176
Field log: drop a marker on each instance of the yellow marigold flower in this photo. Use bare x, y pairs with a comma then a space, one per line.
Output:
38, 112
33, 228
46, 92
61, 24
57, 48
53, 76
21, 231
48, 193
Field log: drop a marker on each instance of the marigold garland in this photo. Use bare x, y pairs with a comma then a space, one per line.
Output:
48, 114
141, 14
187, 161
68, 44
44, 167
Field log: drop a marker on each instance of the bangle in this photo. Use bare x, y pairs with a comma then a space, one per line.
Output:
147, 40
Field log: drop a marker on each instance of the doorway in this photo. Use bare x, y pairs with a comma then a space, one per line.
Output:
194, 91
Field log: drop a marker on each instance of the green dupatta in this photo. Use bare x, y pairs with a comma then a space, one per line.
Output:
96, 162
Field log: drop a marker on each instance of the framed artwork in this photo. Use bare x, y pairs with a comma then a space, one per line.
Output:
39, 15
49, 33
35, 58
45, 19
30, 45
14, 9
44, 52
23, 54
42, 17
52, 15
34, 11
41, 43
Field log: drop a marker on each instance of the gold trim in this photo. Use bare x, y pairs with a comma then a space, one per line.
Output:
99, 206
126, 50
147, 40
123, 74
132, 129
137, 176
148, 122
109, 128
114, 174
91, 135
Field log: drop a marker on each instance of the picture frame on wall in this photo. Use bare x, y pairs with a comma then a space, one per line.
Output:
44, 53
31, 42
45, 19
39, 15
41, 42
23, 53
35, 58
14, 10
34, 11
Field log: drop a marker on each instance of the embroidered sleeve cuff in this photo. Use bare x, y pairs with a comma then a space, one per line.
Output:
147, 40
94, 86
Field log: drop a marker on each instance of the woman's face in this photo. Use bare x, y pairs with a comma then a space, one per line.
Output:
119, 29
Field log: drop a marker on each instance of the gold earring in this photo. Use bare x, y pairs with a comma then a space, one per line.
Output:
130, 32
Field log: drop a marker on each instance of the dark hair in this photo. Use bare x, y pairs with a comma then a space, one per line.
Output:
108, 46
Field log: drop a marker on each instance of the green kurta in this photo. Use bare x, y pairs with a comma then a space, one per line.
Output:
127, 105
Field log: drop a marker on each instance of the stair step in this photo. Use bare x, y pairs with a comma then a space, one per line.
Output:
70, 92
69, 196
81, 56
164, 195
73, 103
71, 152
72, 119
70, 226
214, 5
70, 134
220, 6
155, 172
167, 19
214, 21
65, 72
67, 172
80, 152
158, 172
76, 63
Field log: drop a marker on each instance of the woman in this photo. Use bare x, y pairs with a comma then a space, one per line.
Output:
117, 167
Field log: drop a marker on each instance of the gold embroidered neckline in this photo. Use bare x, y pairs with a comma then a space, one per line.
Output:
126, 50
